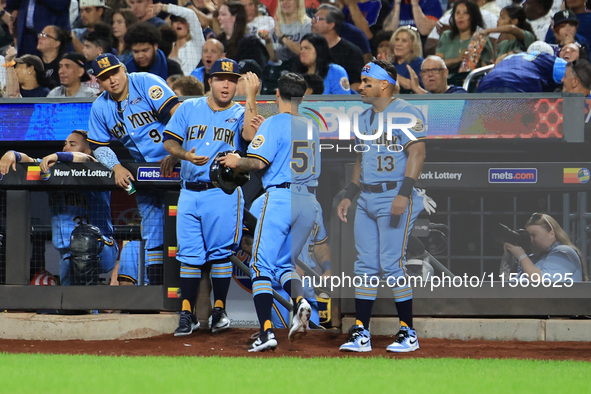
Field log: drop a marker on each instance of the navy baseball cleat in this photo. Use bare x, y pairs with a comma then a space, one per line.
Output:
187, 324
406, 341
299, 324
219, 320
359, 341
264, 342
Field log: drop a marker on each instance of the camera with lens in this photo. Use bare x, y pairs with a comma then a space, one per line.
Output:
518, 237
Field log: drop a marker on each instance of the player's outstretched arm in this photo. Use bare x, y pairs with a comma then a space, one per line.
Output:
252, 89
176, 150
10, 159
77, 157
235, 162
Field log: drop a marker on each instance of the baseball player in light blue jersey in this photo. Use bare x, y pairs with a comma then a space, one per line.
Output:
134, 108
288, 212
209, 221
128, 263
74, 207
388, 205
316, 249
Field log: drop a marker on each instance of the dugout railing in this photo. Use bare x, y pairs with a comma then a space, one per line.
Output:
466, 142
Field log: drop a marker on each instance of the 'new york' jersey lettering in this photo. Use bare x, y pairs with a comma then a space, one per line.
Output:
196, 125
137, 121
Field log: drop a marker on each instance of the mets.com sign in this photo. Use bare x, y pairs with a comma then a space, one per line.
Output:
512, 175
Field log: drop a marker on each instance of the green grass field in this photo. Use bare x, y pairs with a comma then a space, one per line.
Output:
21, 373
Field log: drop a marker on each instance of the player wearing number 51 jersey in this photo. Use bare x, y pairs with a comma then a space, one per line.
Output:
288, 212
134, 108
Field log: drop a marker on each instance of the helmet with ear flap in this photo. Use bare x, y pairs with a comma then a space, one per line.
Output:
224, 177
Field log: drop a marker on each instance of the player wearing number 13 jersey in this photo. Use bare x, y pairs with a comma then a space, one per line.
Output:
134, 108
385, 174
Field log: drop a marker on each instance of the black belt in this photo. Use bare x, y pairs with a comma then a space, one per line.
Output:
199, 186
284, 185
379, 188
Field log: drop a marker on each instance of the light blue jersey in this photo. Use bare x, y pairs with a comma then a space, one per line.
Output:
75, 207
196, 125
209, 221
138, 122
336, 80
385, 159
317, 236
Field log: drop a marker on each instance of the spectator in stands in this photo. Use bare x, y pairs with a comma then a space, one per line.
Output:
423, 14
564, 31
407, 51
465, 20
292, 24
141, 9
362, 14
271, 6
52, 45
434, 74
213, 50
91, 13
187, 85
72, 72
572, 52
26, 76
490, 17
97, 41
577, 78
122, 20
539, 16
246, 66
536, 70
383, 48
315, 84
553, 253
143, 40
315, 58
516, 33
255, 22
33, 16
238, 43
327, 22
190, 40
205, 10
583, 16
347, 31
6, 27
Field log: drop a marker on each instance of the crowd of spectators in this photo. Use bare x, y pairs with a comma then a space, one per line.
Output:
46, 47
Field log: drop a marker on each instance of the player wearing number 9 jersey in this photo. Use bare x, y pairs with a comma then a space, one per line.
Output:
134, 108
388, 205
288, 212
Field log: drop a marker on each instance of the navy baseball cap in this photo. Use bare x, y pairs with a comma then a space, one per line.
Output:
225, 66
104, 63
80, 60
565, 16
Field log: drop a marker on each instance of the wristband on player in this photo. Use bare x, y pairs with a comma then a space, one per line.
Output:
352, 191
523, 256
407, 185
17, 156
325, 265
65, 156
